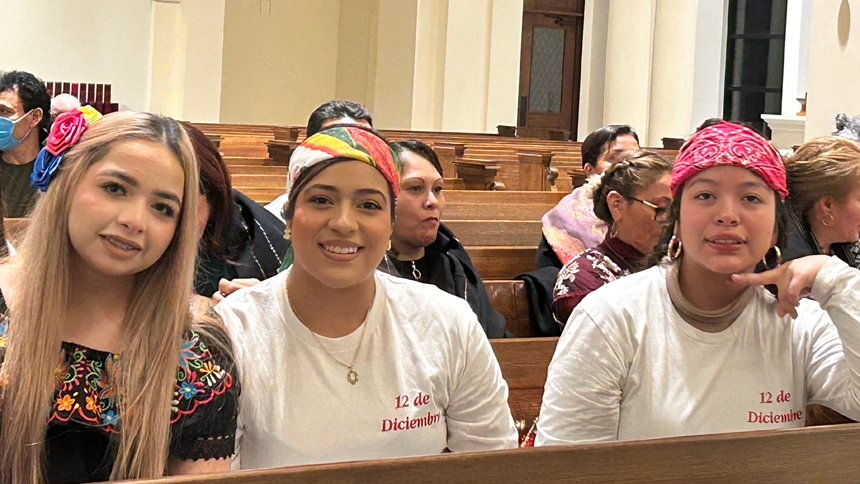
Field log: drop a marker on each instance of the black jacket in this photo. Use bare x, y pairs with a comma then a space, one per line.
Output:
460, 279
260, 235
800, 242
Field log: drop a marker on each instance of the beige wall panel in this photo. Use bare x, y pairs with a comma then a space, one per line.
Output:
672, 70
278, 65
627, 97
834, 64
395, 64
97, 41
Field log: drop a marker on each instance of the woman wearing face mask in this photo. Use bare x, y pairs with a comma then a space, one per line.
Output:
633, 200
24, 124
423, 248
696, 346
342, 362
99, 315
824, 181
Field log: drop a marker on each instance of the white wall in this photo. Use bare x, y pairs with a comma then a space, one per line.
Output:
95, 41
630, 37
593, 74
673, 65
710, 64
834, 67
506, 24
278, 66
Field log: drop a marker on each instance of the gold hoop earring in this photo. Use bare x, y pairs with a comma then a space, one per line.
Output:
778, 258
675, 248
832, 221
287, 233
389, 245
613, 231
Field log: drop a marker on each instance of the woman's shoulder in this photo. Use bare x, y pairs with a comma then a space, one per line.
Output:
206, 370
260, 298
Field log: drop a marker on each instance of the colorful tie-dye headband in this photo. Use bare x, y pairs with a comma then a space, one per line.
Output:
350, 142
729, 144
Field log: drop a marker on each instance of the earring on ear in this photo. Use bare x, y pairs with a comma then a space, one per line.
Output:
777, 258
613, 231
832, 221
389, 245
675, 248
287, 233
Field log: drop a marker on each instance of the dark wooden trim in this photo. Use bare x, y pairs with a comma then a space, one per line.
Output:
555, 12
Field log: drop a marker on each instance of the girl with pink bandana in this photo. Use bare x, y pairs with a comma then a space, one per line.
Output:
696, 345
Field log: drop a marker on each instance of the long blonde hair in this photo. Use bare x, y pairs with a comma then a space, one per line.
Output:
823, 166
157, 314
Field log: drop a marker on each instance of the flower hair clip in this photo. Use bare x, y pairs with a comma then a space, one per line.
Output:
65, 133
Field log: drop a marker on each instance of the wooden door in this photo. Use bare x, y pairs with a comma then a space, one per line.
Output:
550, 69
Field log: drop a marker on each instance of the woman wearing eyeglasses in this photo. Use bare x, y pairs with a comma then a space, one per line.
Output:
633, 199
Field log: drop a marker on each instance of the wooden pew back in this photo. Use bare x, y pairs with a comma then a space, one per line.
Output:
822, 454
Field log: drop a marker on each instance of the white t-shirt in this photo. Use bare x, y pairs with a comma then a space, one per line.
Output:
428, 379
627, 366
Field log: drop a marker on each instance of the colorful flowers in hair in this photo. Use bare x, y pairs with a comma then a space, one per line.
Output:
65, 132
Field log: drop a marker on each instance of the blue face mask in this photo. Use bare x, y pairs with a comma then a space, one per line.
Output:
7, 126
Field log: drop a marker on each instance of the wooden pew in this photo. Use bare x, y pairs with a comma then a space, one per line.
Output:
524, 363
509, 298
815, 455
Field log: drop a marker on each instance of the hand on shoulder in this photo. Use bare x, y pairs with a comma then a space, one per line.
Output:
225, 287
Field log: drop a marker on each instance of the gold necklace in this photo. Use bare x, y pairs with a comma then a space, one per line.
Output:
351, 375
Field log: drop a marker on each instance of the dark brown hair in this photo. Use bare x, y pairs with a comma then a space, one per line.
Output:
637, 171
215, 186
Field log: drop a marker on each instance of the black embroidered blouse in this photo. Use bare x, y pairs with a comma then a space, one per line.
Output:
84, 421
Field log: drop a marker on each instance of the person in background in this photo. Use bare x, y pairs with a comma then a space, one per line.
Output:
633, 200
422, 247
571, 226
63, 103
824, 185
327, 114
241, 242
24, 125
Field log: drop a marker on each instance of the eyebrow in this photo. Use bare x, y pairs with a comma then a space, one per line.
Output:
360, 191
125, 177
747, 185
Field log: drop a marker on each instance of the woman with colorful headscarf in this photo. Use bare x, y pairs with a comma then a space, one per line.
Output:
342, 362
696, 345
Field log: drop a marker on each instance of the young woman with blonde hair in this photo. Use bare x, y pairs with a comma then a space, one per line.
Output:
99, 314
824, 181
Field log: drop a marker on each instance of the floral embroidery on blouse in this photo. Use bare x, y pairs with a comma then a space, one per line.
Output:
86, 392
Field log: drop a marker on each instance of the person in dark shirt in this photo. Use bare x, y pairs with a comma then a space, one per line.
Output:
423, 248
24, 107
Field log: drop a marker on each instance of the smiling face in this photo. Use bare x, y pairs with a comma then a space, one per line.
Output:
341, 225
125, 209
727, 220
420, 204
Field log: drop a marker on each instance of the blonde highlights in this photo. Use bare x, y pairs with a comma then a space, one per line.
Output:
157, 315
823, 166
